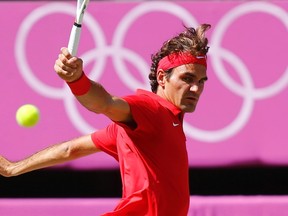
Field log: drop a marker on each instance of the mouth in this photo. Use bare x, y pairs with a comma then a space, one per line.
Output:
192, 98
189, 103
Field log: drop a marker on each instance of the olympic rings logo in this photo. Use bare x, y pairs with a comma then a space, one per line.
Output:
119, 53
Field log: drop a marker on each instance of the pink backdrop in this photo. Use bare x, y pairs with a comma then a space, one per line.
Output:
199, 206
241, 118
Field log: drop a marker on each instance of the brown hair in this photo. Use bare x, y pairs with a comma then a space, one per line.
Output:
190, 40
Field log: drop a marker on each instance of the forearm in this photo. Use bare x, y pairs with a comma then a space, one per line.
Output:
96, 99
48, 157
53, 155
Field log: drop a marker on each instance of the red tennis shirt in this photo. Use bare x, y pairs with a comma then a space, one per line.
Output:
152, 157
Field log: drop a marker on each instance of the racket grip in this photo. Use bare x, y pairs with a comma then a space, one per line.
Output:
74, 39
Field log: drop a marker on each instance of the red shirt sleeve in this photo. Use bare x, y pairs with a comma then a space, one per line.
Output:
105, 140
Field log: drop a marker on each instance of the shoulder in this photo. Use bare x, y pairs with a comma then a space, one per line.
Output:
145, 108
143, 99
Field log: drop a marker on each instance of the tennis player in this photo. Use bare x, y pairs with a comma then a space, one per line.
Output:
146, 134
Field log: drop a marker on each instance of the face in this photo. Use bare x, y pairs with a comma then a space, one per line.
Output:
184, 87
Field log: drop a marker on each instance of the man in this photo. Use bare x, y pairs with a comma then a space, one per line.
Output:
146, 134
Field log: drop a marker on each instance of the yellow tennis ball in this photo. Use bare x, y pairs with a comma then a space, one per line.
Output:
27, 115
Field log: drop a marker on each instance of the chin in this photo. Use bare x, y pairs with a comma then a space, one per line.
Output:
188, 109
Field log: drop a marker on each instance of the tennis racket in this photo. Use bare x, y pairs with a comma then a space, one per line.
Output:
76, 29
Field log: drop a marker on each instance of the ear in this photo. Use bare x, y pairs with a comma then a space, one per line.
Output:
161, 77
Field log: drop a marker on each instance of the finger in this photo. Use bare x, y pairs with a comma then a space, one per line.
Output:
64, 74
78, 62
66, 53
62, 68
68, 57
71, 63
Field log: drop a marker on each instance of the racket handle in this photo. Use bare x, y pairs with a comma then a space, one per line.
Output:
74, 39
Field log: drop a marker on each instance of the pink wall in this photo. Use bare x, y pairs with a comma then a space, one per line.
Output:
241, 118
200, 206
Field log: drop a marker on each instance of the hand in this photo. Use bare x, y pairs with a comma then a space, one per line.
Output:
68, 68
4, 167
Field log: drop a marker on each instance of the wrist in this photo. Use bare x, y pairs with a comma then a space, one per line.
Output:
80, 86
11, 170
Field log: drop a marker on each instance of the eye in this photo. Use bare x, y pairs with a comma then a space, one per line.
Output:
188, 79
202, 81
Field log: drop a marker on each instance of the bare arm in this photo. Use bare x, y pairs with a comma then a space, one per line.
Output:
97, 99
56, 154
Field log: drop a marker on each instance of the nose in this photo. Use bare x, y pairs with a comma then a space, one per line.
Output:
194, 87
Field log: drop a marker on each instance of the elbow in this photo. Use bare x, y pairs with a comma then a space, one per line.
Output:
66, 151
70, 151
98, 106
94, 108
